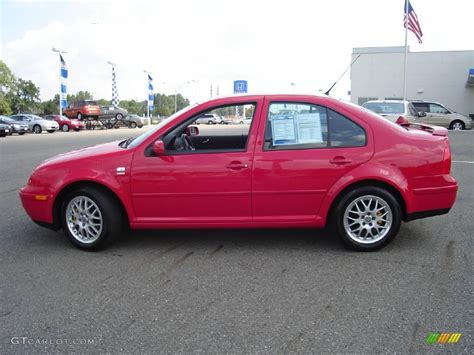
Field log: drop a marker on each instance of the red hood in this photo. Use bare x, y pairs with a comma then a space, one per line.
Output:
106, 150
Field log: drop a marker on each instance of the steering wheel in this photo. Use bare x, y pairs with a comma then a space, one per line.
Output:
188, 143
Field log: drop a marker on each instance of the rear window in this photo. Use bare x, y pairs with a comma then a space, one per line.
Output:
387, 108
90, 103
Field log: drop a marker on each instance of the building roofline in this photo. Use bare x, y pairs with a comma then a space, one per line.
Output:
398, 49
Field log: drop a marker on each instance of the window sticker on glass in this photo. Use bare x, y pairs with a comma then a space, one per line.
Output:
309, 128
283, 129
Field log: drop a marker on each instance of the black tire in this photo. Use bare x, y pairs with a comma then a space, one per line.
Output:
3, 135
108, 125
51, 131
133, 125
77, 129
118, 116
79, 116
21, 133
351, 196
140, 126
65, 128
457, 123
210, 122
37, 129
111, 214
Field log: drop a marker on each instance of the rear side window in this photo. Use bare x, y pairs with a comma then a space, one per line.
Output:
345, 133
385, 107
422, 106
307, 126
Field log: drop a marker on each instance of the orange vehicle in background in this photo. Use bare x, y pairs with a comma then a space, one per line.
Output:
83, 109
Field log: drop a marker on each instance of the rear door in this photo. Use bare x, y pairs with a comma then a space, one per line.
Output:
306, 148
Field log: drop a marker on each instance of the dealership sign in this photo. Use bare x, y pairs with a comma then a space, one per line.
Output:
240, 87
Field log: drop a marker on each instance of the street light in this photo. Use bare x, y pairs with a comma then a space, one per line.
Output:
176, 93
60, 81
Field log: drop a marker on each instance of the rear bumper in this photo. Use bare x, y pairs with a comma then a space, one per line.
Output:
436, 199
425, 214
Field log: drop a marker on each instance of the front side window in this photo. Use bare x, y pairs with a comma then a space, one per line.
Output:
306, 126
421, 106
221, 129
435, 108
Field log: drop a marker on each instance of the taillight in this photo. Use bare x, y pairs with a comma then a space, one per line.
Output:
401, 120
447, 158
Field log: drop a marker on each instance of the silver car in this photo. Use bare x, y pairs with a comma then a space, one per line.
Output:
440, 115
112, 112
134, 121
398, 111
35, 123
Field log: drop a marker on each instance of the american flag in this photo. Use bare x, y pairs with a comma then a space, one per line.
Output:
411, 20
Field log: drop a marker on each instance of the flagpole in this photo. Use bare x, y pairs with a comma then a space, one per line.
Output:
60, 79
405, 19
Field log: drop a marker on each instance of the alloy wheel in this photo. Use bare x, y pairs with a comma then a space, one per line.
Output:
84, 219
368, 219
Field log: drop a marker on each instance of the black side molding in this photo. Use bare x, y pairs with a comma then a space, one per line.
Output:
54, 227
424, 214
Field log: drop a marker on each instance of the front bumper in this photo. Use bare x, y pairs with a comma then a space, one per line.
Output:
38, 203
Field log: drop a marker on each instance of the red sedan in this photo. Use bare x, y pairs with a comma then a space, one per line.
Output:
303, 161
66, 124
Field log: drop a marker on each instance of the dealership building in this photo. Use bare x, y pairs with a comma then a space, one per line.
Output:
446, 77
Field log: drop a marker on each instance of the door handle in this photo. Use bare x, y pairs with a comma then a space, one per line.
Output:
205, 141
340, 160
237, 165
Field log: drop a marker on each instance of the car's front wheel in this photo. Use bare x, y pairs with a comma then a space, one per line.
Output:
367, 218
65, 128
90, 218
133, 125
37, 129
457, 125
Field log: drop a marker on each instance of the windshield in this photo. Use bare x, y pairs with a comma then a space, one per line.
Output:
387, 108
147, 134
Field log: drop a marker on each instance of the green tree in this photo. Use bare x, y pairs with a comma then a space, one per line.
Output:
25, 97
7, 85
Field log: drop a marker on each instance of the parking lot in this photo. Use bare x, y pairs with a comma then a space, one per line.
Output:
216, 291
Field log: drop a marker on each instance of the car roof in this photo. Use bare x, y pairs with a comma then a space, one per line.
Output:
386, 101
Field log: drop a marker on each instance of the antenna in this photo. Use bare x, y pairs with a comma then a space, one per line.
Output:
345, 71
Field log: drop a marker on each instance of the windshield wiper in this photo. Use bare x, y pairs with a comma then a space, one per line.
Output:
126, 142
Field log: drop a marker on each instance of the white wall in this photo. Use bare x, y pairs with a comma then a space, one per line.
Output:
442, 76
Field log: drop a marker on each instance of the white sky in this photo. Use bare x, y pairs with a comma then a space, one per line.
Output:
269, 43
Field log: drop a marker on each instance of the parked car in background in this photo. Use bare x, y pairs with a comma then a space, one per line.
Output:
440, 115
327, 163
210, 118
15, 127
82, 109
66, 124
246, 120
35, 123
4, 130
397, 111
112, 112
133, 121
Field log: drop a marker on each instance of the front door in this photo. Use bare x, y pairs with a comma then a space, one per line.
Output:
307, 148
210, 185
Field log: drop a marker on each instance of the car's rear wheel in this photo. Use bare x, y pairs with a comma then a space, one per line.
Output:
90, 218
79, 116
37, 129
51, 131
457, 125
21, 133
65, 128
367, 218
118, 116
133, 125
210, 122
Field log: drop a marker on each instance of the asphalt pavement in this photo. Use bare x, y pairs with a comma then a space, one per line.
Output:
220, 291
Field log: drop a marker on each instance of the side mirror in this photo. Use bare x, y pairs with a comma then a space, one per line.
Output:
158, 147
192, 131
421, 114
